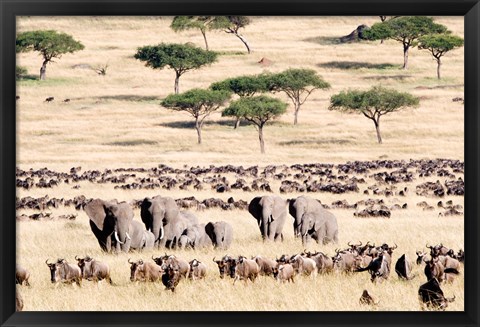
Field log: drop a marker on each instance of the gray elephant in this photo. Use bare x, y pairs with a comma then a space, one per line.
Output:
311, 220
220, 233
195, 237
162, 217
110, 222
270, 212
140, 237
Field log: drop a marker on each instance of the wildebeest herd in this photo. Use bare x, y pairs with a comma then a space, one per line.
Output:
169, 224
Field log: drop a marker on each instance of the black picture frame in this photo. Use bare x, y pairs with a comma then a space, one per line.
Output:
10, 9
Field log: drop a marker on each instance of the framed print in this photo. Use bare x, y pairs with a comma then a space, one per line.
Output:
295, 163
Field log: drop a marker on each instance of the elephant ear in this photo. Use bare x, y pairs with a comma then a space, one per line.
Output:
96, 212
254, 207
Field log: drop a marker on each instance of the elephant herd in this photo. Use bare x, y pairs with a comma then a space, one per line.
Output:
311, 220
165, 225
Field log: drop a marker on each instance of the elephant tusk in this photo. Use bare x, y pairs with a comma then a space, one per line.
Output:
128, 236
162, 232
116, 237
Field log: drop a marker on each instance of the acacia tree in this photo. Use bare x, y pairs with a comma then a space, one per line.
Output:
243, 86
179, 57
258, 110
373, 104
298, 84
236, 23
51, 44
198, 103
203, 23
438, 45
406, 30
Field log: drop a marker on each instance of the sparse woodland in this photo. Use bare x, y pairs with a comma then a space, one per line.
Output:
112, 126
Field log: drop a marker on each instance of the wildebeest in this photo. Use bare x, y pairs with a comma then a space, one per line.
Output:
171, 276
21, 275
224, 265
366, 298
94, 270
284, 272
183, 266
304, 266
378, 268
246, 269
144, 271
266, 265
344, 261
432, 296
420, 256
324, 262
403, 268
198, 270
62, 271
437, 250
49, 99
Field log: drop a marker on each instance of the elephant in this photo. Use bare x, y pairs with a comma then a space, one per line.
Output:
140, 237
220, 233
110, 222
270, 212
162, 217
195, 237
312, 220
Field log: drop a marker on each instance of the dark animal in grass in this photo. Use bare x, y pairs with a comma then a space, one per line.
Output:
49, 99
171, 277
367, 299
62, 271
431, 295
403, 268
94, 270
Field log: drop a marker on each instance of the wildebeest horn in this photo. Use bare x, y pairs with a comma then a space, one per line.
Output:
77, 258
116, 237
393, 248
428, 246
214, 259
360, 243
46, 261
130, 261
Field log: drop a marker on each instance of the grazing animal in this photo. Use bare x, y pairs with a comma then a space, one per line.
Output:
171, 277
266, 265
403, 268
224, 265
21, 276
378, 268
183, 266
198, 270
144, 271
344, 261
94, 270
284, 273
49, 99
246, 269
304, 266
431, 295
66, 100
324, 262
62, 271
444, 268
367, 299
420, 256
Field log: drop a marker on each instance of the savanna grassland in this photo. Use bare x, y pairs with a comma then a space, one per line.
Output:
116, 121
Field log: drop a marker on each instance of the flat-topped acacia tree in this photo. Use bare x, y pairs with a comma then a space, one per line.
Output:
404, 29
373, 103
179, 57
243, 86
258, 110
51, 45
438, 45
298, 84
198, 103
202, 23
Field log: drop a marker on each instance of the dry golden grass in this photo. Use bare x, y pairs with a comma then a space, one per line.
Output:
116, 121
